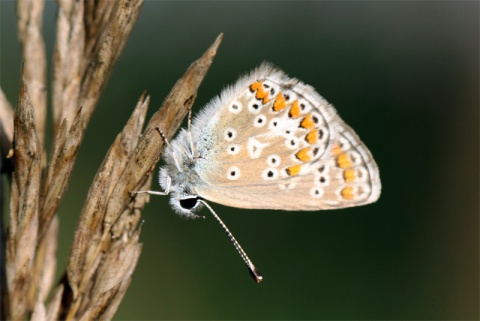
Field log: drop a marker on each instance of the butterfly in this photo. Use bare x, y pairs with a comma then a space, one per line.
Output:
267, 142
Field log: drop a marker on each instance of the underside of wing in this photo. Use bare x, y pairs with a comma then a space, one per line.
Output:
272, 142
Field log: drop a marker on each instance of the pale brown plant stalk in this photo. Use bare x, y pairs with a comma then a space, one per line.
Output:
105, 251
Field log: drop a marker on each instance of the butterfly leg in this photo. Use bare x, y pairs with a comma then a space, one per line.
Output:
165, 192
167, 142
162, 134
150, 192
190, 137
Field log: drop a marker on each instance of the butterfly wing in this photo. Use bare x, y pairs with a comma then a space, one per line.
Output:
272, 142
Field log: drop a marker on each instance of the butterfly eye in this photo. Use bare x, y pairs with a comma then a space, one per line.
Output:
189, 203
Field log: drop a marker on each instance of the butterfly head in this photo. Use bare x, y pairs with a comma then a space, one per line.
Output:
183, 199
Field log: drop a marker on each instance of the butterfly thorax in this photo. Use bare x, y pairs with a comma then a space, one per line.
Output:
179, 176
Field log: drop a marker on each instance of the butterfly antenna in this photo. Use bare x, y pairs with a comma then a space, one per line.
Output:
167, 142
257, 277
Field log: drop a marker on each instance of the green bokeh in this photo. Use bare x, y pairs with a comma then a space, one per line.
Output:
404, 75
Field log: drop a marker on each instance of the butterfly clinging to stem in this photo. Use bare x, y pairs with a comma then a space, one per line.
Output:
267, 142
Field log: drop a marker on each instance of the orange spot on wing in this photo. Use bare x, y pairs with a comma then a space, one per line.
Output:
304, 155
347, 193
308, 121
349, 175
255, 86
294, 110
336, 150
312, 137
261, 93
294, 170
344, 161
279, 103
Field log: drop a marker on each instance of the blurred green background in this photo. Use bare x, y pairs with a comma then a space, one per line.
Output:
404, 75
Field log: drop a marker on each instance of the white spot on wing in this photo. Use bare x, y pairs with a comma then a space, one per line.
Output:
235, 107
361, 174
230, 134
270, 174
273, 160
233, 149
255, 147
291, 143
363, 190
322, 179
274, 124
287, 186
260, 121
344, 143
355, 158
233, 173
255, 107
316, 192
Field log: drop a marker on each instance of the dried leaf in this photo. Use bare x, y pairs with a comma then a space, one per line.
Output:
115, 302
39, 313
109, 311
29, 17
6, 126
59, 172
124, 256
53, 308
109, 43
22, 237
96, 17
88, 232
128, 221
68, 60
43, 274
